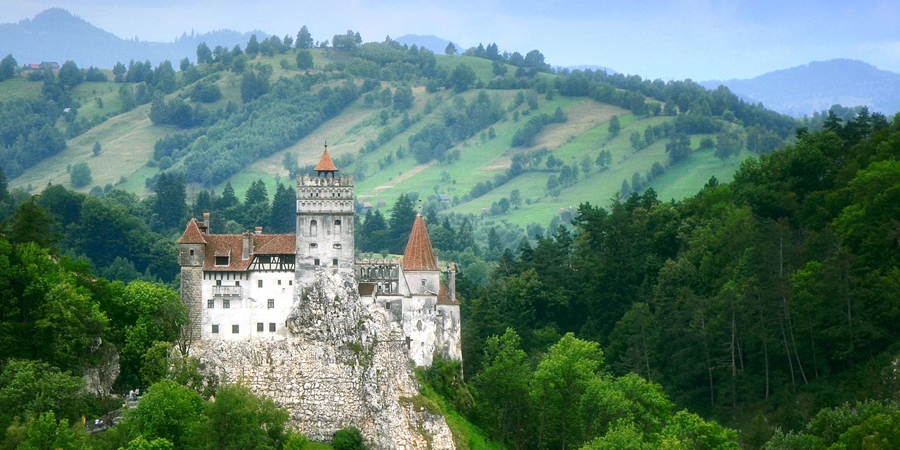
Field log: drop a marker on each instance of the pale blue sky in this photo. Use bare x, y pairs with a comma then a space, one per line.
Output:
701, 39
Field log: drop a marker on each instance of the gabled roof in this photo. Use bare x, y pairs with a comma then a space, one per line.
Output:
326, 164
192, 234
275, 244
231, 245
443, 297
366, 289
419, 256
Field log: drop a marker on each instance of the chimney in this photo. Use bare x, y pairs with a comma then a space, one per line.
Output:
453, 282
205, 227
247, 247
258, 230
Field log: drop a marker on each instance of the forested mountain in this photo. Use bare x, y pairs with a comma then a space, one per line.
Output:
815, 87
57, 35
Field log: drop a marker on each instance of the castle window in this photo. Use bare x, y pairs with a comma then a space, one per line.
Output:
215, 329
237, 283
210, 303
192, 253
334, 262
279, 282
221, 260
260, 327
315, 262
235, 329
218, 282
226, 303
271, 303
313, 245
313, 228
337, 226
259, 283
290, 282
337, 246
272, 327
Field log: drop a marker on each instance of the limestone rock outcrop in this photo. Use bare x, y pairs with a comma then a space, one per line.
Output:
343, 364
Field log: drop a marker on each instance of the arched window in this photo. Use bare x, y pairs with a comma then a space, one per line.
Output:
337, 226
313, 228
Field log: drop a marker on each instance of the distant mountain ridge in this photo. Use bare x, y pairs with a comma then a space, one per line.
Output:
58, 35
433, 43
816, 86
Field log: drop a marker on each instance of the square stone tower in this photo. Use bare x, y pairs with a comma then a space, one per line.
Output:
325, 222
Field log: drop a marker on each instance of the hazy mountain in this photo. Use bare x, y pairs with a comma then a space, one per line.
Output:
57, 35
433, 43
816, 86
592, 67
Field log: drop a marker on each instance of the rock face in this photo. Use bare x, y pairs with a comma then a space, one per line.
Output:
343, 364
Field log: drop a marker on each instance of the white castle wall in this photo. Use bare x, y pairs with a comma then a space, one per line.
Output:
342, 363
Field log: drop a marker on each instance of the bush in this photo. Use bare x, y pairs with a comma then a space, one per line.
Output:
81, 175
348, 439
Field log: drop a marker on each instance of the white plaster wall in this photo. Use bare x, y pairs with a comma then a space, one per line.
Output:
420, 325
250, 308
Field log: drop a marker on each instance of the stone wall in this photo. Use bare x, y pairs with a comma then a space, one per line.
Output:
343, 364
191, 296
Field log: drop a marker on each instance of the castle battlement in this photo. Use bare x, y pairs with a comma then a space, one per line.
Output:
245, 286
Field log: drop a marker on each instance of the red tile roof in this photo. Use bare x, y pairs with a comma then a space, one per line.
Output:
366, 289
444, 297
326, 164
275, 244
231, 245
192, 234
419, 255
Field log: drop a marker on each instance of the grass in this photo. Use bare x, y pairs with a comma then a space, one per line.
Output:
127, 141
18, 87
466, 436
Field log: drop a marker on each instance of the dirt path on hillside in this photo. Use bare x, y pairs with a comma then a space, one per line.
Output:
397, 180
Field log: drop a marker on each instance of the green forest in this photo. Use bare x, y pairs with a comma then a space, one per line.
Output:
757, 313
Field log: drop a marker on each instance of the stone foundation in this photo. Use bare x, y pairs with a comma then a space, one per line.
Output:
342, 364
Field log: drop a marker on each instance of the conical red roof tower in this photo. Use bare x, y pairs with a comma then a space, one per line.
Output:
419, 256
326, 165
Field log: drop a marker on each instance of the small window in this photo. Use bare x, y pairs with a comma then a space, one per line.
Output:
337, 226
271, 303
272, 327
279, 282
313, 228
337, 246
221, 260
226, 303
334, 262
235, 329
423, 282
290, 282
313, 245
215, 329
259, 283
218, 282
192, 253
315, 262
237, 283
210, 303
260, 327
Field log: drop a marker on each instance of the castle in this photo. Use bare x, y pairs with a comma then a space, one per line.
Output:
244, 286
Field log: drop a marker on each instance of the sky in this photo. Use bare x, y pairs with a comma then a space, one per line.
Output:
667, 39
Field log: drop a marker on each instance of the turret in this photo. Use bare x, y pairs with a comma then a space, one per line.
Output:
325, 222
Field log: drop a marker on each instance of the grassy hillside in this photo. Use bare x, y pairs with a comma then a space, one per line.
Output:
128, 140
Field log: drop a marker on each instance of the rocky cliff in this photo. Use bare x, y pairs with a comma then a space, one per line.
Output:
344, 363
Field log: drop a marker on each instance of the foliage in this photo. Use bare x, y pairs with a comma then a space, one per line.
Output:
348, 439
29, 389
